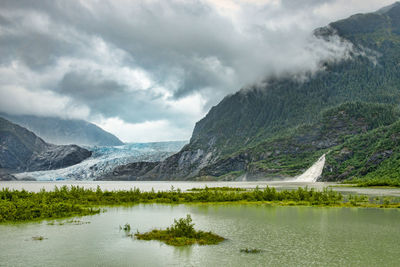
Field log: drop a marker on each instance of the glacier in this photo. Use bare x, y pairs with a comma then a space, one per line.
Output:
105, 158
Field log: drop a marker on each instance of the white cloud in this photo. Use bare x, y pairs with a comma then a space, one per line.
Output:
19, 100
148, 131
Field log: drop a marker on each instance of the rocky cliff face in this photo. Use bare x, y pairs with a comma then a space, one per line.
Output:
129, 172
22, 150
65, 131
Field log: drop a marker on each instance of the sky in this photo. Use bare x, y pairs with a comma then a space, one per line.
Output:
148, 70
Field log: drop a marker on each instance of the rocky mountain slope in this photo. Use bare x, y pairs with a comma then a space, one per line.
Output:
279, 128
65, 131
22, 150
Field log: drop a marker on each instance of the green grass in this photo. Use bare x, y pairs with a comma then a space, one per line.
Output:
181, 233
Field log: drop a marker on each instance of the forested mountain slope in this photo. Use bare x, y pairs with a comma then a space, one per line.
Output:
261, 118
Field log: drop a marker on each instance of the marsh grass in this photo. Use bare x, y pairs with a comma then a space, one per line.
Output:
250, 250
126, 227
72, 221
71, 201
181, 233
38, 238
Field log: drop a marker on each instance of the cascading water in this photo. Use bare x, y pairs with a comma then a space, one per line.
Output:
313, 173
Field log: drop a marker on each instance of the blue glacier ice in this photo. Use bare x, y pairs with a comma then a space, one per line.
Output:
105, 158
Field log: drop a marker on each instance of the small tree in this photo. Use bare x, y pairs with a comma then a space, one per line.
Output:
183, 227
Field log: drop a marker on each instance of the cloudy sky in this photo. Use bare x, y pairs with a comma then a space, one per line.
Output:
148, 70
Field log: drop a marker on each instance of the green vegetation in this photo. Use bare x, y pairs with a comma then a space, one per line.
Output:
38, 238
250, 250
126, 227
369, 159
62, 202
374, 182
296, 149
181, 233
18, 205
224, 188
72, 221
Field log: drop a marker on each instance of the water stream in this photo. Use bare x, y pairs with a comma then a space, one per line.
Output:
312, 173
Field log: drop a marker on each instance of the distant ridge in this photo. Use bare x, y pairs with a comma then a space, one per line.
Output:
386, 9
65, 131
22, 150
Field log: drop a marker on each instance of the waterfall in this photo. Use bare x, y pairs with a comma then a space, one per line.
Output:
313, 173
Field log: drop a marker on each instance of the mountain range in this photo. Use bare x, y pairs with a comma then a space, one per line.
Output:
65, 131
22, 150
347, 110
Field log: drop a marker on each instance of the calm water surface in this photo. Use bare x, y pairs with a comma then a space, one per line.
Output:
288, 236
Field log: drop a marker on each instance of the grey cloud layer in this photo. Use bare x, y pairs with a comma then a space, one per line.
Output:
135, 59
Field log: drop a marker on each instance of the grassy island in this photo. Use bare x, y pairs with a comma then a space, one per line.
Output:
181, 233
21, 205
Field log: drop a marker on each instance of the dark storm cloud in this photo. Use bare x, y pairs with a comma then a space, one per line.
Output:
111, 99
86, 87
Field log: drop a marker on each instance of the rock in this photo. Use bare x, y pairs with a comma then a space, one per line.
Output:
65, 131
129, 172
6, 176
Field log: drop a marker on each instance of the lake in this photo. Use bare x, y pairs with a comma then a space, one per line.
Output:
287, 236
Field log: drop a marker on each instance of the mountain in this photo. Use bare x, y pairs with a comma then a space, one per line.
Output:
65, 131
255, 130
6, 176
291, 153
22, 150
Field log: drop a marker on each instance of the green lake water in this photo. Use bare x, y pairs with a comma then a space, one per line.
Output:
288, 236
